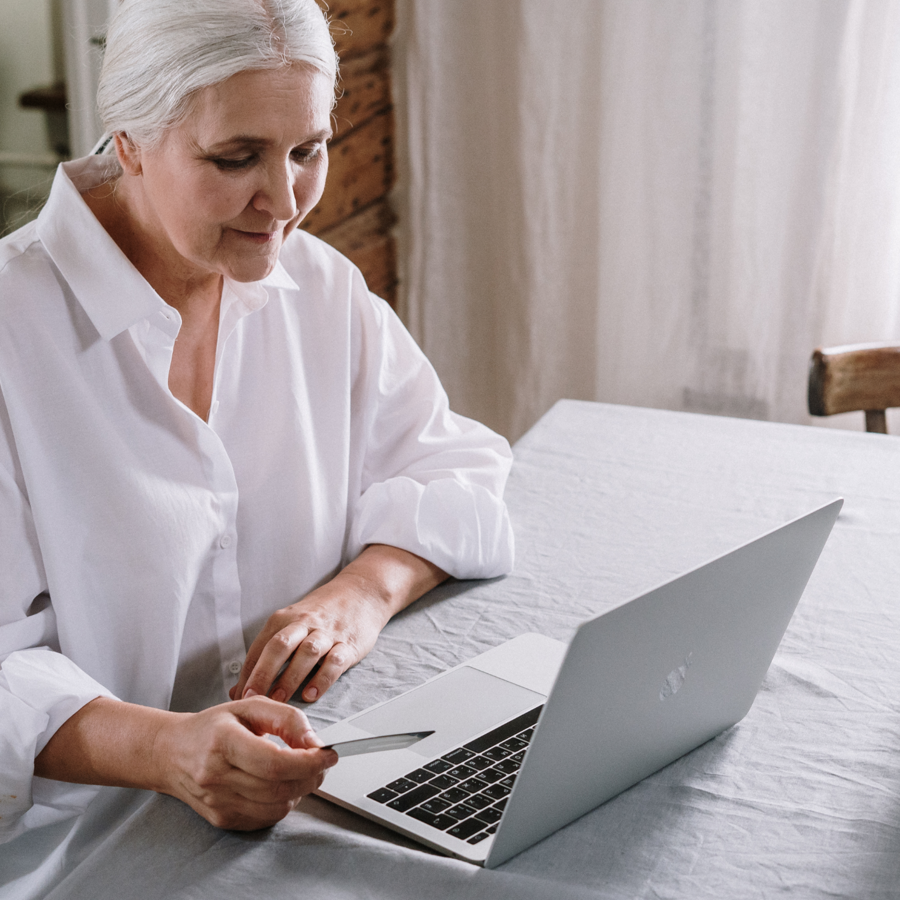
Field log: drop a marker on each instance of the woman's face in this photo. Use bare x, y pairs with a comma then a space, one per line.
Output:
225, 187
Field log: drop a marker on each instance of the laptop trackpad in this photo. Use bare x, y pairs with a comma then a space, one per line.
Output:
458, 706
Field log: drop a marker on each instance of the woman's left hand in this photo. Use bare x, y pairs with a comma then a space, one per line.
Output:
334, 626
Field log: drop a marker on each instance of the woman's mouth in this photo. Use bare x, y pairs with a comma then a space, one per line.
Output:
258, 237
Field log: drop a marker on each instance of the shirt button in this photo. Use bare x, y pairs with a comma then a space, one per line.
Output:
225, 541
234, 667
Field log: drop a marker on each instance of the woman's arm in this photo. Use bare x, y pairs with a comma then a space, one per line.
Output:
334, 626
217, 761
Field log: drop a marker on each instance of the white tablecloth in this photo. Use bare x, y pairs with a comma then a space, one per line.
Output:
801, 799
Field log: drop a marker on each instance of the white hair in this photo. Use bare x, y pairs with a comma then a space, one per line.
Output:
160, 52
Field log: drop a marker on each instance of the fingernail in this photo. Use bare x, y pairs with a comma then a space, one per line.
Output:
280, 695
250, 693
310, 694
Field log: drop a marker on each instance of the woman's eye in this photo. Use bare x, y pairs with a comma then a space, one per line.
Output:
231, 165
307, 154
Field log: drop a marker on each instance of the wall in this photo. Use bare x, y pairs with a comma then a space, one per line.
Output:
355, 214
26, 61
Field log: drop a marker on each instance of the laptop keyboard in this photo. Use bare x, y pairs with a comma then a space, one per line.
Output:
464, 792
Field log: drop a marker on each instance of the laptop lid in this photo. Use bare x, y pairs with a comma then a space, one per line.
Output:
650, 680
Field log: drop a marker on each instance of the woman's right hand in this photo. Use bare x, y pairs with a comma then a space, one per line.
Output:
221, 765
217, 761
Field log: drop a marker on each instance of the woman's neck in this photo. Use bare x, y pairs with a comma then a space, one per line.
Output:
197, 297
178, 283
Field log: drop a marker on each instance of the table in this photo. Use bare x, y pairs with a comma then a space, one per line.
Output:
802, 798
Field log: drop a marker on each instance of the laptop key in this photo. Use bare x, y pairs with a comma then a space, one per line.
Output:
401, 785
514, 744
420, 776
480, 762
460, 755
501, 804
462, 772
478, 838
413, 798
478, 801
508, 766
443, 782
495, 791
465, 830
496, 753
438, 765
454, 795
460, 811
435, 805
489, 815
491, 775
382, 795
472, 786
442, 823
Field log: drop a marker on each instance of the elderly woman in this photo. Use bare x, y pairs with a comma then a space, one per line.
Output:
224, 465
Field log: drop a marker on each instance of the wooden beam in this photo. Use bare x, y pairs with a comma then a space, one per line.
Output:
366, 239
361, 171
359, 26
364, 88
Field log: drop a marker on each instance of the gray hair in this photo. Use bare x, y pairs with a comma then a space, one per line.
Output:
160, 52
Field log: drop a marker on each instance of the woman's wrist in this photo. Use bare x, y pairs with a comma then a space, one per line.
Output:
108, 742
395, 577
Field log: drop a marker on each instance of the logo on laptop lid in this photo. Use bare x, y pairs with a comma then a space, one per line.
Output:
675, 679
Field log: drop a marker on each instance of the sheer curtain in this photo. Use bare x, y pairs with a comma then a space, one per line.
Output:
658, 202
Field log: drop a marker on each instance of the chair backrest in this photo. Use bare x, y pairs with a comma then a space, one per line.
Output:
857, 377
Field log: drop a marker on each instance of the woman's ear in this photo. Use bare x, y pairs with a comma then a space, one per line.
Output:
128, 152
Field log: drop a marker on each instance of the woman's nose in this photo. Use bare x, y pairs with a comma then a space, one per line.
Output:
276, 196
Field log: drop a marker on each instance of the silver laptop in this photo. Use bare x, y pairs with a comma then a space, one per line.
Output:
533, 734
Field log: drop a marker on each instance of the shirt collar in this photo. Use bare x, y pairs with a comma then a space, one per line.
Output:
111, 290
253, 294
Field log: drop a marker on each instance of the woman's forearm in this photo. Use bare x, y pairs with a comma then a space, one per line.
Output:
398, 576
218, 761
106, 742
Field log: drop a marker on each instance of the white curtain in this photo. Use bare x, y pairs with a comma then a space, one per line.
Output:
657, 202
84, 24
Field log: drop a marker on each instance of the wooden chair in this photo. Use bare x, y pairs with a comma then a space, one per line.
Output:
858, 377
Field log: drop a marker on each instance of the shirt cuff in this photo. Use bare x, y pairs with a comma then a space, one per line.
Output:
463, 529
39, 690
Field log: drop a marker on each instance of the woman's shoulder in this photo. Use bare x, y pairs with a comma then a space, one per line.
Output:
17, 245
324, 275
25, 270
305, 251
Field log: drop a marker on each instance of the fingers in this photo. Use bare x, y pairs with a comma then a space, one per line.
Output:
247, 804
340, 658
290, 644
262, 716
295, 649
295, 652
235, 777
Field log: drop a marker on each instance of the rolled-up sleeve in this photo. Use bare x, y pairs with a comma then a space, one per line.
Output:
39, 687
431, 481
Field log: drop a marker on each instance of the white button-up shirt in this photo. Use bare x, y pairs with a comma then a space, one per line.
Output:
143, 548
